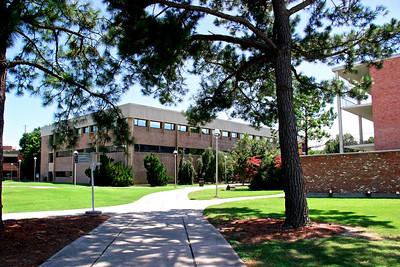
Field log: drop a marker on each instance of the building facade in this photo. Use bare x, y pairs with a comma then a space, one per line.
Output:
156, 130
383, 109
12, 159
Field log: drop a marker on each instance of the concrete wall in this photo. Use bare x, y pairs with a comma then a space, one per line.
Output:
378, 172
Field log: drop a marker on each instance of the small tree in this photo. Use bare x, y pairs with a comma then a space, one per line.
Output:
30, 144
207, 165
110, 173
186, 171
120, 175
156, 173
332, 145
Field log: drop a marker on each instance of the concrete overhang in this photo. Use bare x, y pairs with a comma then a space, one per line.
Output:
362, 147
362, 110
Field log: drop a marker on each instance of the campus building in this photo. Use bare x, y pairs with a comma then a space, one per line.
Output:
383, 108
375, 172
156, 130
12, 159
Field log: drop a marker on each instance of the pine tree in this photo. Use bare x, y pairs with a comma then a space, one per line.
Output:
248, 67
58, 50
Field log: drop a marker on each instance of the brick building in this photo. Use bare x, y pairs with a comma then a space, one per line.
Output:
158, 131
375, 173
383, 109
12, 159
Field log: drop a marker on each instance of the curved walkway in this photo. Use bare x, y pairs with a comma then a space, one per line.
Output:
160, 229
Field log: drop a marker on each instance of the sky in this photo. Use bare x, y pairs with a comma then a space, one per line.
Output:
23, 114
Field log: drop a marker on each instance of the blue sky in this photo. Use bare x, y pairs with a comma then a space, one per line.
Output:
27, 112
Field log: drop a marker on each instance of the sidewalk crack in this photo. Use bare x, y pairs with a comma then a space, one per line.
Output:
190, 244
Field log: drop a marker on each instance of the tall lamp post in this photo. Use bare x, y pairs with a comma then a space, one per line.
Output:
75, 161
217, 134
12, 166
175, 154
34, 169
19, 170
226, 178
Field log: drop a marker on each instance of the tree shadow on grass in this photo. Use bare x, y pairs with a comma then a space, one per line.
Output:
217, 215
348, 218
337, 251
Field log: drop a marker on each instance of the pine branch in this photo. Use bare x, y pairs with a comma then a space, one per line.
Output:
236, 19
300, 6
230, 39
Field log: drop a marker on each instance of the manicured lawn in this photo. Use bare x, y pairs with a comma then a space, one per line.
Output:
207, 194
30, 196
377, 215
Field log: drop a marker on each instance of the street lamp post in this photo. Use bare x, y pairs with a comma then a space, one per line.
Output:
226, 178
175, 154
34, 169
12, 165
217, 134
75, 161
19, 170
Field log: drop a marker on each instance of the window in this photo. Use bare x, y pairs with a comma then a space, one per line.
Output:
225, 134
182, 128
251, 137
241, 136
205, 131
10, 159
141, 123
93, 128
86, 129
64, 174
167, 149
62, 154
148, 148
194, 129
51, 157
234, 135
79, 131
169, 126
257, 138
155, 124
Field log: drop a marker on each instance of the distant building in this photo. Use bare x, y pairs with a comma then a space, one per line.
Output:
156, 130
12, 159
383, 109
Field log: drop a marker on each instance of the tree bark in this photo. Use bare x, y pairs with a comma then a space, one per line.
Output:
295, 197
3, 76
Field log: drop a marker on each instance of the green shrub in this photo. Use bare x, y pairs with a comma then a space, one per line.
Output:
156, 173
121, 176
186, 172
110, 173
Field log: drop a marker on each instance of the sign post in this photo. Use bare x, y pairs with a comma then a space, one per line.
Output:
93, 164
86, 158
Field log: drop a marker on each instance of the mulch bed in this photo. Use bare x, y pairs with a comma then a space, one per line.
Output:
260, 230
30, 242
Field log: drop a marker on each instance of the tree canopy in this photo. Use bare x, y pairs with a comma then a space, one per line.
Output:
30, 144
55, 49
247, 67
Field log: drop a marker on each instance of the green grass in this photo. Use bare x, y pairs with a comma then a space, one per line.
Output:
380, 216
25, 197
207, 194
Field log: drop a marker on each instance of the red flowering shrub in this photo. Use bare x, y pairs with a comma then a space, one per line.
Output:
278, 161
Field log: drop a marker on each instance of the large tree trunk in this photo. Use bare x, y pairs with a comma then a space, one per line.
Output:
3, 76
295, 197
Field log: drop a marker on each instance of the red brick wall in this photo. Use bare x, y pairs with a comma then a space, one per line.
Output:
386, 104
352, 172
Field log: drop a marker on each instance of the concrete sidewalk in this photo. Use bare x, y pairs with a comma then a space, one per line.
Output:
160, 229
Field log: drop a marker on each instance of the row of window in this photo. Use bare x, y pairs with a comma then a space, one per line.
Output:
170, 126
184, 128
137, 147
